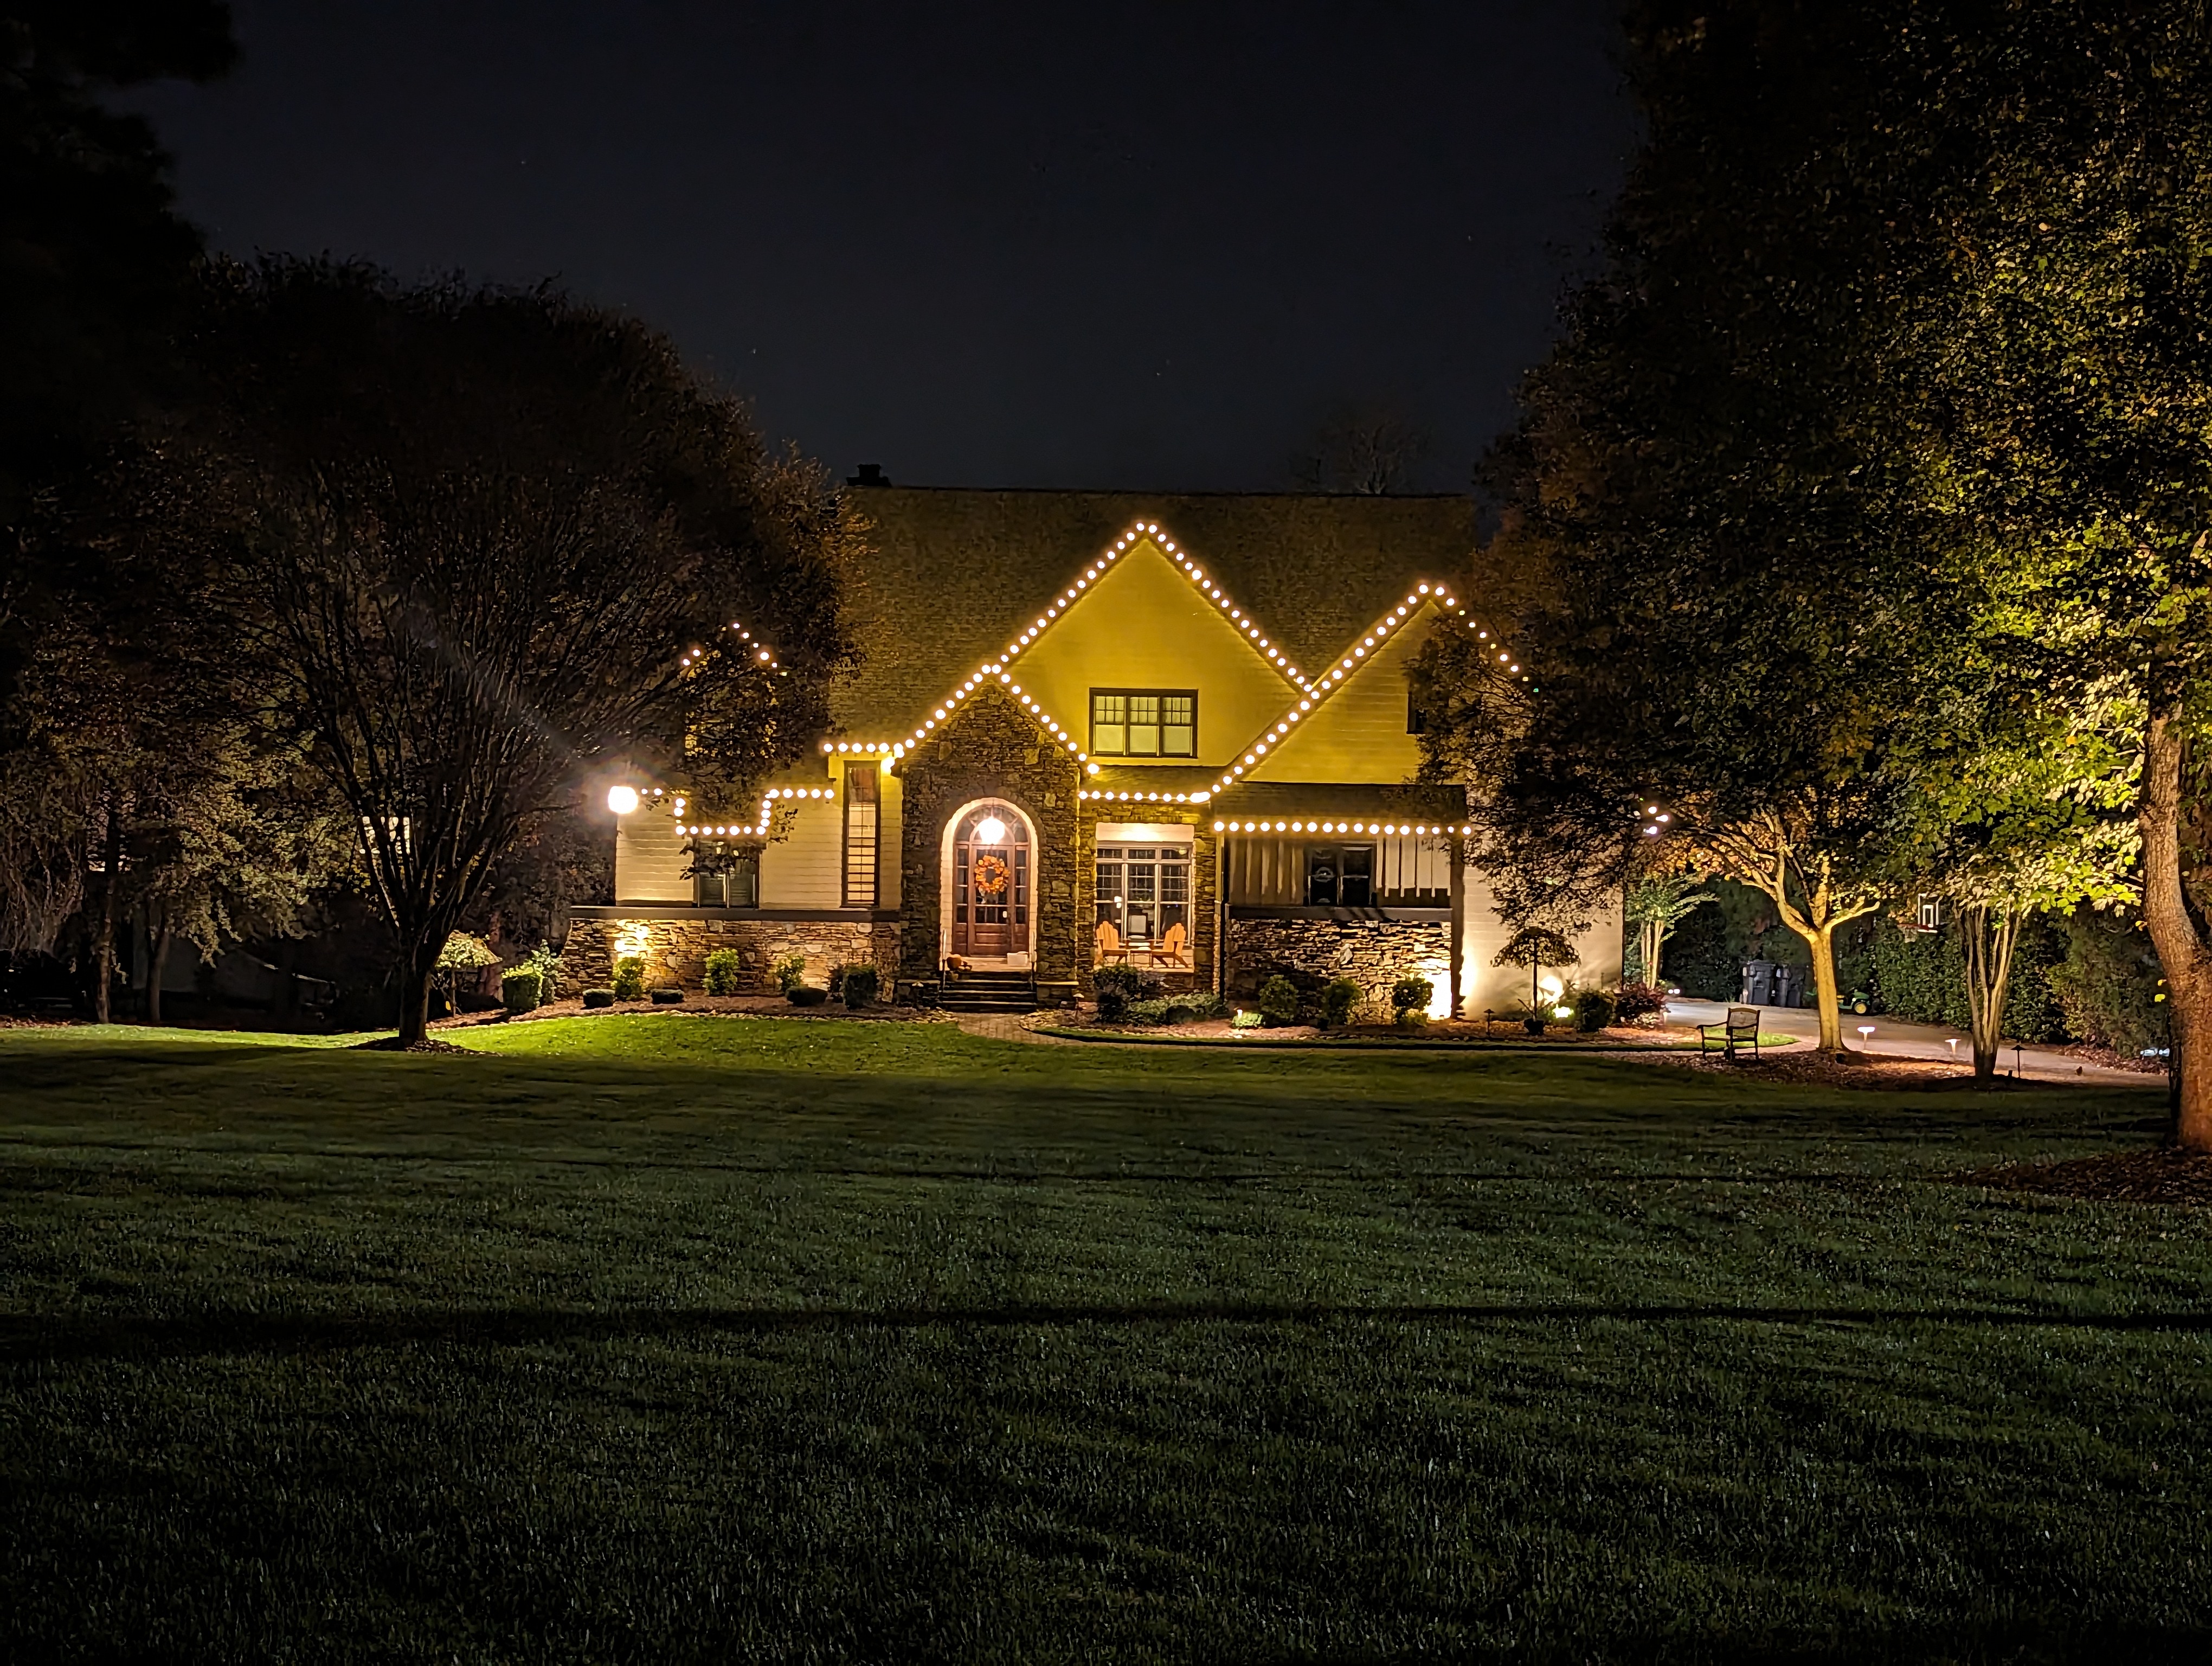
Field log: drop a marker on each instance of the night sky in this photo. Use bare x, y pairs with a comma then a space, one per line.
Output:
1145, 246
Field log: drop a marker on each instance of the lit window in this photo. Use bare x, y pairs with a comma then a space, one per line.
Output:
1144, 723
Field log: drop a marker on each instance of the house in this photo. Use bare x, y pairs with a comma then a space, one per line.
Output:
1101, 725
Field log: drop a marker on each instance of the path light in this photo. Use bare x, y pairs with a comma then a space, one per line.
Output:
1951, 1042
991, 830
1865, 1029
622, 800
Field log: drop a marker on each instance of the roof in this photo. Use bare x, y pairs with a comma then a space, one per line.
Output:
954, 569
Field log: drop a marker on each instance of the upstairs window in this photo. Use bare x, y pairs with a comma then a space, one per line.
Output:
1144, 723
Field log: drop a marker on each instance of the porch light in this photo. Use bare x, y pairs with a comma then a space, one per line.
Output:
990, 829
622, 800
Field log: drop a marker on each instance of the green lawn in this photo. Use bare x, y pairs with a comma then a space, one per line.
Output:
658, 1337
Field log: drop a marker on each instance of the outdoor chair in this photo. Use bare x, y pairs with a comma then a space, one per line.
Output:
1169, 951
1739, 1029
1109, 943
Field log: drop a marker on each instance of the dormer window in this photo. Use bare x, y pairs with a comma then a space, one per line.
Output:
1144, 723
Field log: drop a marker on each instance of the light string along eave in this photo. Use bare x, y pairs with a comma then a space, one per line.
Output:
1338, 675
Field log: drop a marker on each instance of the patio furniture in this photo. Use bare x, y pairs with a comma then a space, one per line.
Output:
1739, 1029
1170, 950
1109, 945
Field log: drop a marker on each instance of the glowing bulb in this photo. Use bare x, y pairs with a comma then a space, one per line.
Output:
990, 829
622, 800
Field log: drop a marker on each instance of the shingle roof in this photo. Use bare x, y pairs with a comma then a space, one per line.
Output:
953, 569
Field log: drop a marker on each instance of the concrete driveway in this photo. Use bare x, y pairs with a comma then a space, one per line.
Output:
1896, 1038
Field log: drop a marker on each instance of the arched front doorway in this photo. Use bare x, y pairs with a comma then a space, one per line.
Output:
992, 878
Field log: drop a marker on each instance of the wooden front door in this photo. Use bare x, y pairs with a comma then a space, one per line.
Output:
991, 884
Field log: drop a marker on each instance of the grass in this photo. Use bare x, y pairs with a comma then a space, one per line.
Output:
649, 1338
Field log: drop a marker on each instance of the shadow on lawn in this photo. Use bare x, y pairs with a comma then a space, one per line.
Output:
73, 1337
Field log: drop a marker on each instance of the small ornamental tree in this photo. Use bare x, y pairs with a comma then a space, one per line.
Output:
1655, 905
1535, 947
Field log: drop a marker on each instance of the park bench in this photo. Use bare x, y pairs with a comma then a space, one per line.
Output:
1739, 1029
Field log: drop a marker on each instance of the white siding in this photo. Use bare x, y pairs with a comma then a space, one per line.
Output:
806, 869
650, 859
1502, 987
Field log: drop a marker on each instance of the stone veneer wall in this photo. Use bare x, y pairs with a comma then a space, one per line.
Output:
1205, 888
1373, 953
676, 950
990, 748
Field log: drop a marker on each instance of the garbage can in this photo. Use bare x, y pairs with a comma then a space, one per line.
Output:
1757, 983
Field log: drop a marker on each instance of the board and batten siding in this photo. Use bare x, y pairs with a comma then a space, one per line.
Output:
1269, 870
805, 867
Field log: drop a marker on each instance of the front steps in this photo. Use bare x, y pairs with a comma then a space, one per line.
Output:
990, 992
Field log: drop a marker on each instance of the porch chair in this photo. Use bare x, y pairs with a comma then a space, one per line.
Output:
1109, 945
1169, 951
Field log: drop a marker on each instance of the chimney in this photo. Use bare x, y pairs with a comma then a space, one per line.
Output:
871, 474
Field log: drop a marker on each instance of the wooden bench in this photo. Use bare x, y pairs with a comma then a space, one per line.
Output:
1739, 1029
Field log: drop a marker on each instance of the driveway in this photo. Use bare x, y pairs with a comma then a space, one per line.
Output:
1896, 1038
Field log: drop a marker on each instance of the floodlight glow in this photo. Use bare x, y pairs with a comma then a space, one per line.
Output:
990, 829
622, 800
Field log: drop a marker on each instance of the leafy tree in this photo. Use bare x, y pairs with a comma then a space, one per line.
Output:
486, 546
1655, 905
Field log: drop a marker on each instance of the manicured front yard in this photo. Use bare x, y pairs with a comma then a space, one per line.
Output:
662, 1337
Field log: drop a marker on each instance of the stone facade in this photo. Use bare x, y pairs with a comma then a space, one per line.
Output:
1373, 953
676, 949
990, 748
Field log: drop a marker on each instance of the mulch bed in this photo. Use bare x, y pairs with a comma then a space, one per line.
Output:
758, 1006
1807, 1067
427, 1044
2143, 1176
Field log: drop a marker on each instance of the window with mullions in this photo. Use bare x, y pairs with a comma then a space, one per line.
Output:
724, 876
1143, 890
1144, 723
1341, 875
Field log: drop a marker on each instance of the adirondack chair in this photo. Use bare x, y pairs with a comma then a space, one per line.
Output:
1169, 951
1109, 945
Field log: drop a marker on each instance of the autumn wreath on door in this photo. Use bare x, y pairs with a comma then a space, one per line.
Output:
990, 876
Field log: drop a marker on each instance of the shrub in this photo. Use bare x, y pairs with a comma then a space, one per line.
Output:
1594, 1010
1279, 1002
790, 972
1117, 986
1338, 997
805, 994
629, 978
723, 970
1636, 1002
549, 967
1412, 994
1245, 1021
860, 984
2109, 985
1197, 1005
668, 995
837, 980
519, 987
1150, 1012
598, 997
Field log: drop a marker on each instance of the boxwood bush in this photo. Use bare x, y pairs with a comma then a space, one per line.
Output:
1279, 1002
860, 986
724, 968
629, 978
519, 988
1338, 997
598, 997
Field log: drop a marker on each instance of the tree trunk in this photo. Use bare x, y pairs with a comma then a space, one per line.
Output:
1987, 950
1654, 934
1821, 942
2174, 931
103, 942
154, 977
414, 1000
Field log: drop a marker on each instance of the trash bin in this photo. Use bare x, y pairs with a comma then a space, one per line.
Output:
1757, 983
1789, 987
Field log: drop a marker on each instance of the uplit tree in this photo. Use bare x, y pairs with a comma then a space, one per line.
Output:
1655, 905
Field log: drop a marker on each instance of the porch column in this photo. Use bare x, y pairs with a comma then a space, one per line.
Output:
1458, 919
